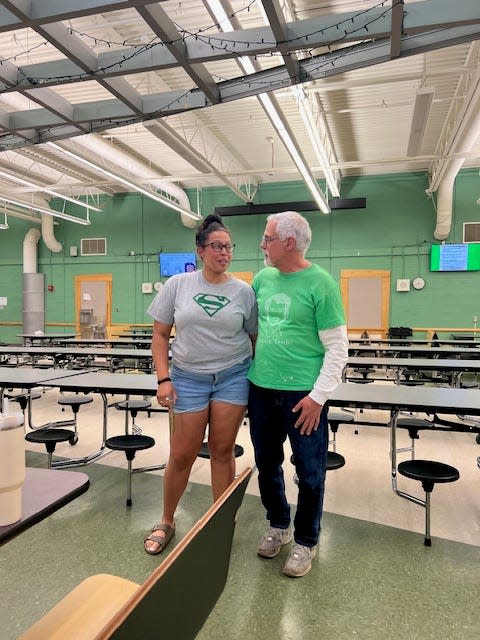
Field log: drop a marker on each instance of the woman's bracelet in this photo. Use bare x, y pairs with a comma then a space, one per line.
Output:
162, 380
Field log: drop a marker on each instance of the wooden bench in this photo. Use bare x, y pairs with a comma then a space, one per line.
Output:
174, 601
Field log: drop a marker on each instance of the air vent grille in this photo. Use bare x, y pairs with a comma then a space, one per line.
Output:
471, 231
93, 246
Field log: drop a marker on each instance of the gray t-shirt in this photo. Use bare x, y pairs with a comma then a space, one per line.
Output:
212, 321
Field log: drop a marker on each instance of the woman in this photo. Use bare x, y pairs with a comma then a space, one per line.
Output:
215, 321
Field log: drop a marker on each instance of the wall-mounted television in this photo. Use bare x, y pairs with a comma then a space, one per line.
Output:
455, 257
173, 263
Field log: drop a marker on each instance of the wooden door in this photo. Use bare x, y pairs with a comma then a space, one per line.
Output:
93, 303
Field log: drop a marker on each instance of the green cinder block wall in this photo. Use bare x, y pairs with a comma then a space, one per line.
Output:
394, 232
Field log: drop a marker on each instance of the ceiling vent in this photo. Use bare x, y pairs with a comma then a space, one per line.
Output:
93, 246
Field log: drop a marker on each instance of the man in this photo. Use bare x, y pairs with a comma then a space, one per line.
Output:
300, 353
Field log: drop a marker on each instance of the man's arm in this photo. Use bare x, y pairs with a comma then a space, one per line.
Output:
335, 342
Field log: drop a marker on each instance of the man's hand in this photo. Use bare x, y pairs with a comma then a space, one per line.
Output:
309, 415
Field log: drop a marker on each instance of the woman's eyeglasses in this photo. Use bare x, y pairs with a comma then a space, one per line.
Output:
218, 246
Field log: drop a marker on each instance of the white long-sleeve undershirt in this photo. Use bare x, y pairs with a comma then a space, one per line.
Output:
335, 342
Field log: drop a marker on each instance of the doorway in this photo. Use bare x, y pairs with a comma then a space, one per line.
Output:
93, 303
366, 298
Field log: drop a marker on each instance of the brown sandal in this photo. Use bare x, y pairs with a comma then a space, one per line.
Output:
161, 541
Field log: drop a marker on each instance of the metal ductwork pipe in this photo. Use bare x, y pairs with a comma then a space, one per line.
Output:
48, 233
466, 142
33, 285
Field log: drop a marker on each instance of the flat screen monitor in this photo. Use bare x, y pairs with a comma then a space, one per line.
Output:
173, 263
455, 257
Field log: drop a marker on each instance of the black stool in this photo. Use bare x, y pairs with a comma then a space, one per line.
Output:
22, 398
50, 437
205, 453
364, 372
132, 407
334, 461
428, 472
413, 425
129, 444
74, 401
410, 379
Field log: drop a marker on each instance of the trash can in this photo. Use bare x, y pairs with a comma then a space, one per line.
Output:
12, 467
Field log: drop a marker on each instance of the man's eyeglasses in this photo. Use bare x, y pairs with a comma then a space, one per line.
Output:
218, 246
268, 239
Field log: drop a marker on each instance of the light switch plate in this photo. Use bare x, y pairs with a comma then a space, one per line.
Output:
403, 284
147, 287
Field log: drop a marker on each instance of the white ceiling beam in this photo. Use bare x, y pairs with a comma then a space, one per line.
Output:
306, 34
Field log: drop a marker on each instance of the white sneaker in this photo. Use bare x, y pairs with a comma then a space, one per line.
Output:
272, 542
299, 561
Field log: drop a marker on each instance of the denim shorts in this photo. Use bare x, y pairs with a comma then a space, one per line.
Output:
195, 391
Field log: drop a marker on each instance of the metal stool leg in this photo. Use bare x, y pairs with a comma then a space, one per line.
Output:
428, 540
129, 484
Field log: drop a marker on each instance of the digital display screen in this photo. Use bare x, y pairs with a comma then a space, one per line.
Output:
173, 263
455, 257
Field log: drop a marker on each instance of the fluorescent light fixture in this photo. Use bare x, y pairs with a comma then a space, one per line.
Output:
248, 68
293, 151
131, 185
27, 183
4, 225
320, 151
48, 212
421, 110
307, 115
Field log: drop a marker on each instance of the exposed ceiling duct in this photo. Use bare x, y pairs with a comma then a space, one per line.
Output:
466, 135
30, 243
115, 158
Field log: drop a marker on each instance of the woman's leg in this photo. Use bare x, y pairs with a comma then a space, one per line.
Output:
185, 444
225, 420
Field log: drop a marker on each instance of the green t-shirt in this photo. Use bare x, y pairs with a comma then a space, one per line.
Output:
292, 309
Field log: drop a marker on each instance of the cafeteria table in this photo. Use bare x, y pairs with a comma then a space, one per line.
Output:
453, 366
84, 356
415, 351
397, 398
46, 338
44, 491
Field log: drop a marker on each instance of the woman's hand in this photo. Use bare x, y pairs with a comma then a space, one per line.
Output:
166, 394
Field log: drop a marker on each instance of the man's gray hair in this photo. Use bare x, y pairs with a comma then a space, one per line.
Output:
291, 224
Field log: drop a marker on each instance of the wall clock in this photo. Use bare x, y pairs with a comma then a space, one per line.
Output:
418, 283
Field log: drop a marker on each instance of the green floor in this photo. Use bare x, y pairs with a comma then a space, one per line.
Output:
368, 581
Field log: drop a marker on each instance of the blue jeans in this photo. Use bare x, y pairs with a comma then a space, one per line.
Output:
271, 421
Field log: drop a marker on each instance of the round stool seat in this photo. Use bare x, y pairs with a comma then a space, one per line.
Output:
361, 380
133, 405
364, 370
334, 461
18, 397
337, 417
205, 453
428, 472
74, 401
414, 425
49, 437
468, 384
22, 398
129, 443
